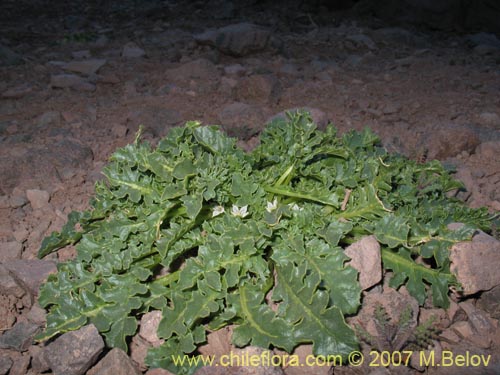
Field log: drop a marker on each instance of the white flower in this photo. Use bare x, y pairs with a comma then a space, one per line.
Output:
241, 212
295, 207
217, 211
271, 206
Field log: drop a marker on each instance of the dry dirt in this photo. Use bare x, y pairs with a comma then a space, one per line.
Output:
427, 94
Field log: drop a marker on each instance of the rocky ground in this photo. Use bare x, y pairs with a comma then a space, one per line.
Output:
76, 84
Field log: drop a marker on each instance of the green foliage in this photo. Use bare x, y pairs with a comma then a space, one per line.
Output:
213, 236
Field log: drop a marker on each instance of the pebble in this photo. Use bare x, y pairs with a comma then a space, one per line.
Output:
38, 198
71, 81
132, 50
86, 67
17, 92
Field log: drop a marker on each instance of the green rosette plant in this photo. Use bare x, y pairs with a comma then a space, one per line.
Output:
213, 236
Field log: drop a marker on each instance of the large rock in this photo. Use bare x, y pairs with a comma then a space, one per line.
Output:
365, 257
116, 362
238, 39
475, 263
75, 352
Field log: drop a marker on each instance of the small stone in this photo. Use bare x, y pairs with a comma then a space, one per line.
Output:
87, 67
83, 54
132, 50
49, 118
238, 39
479, 272
18, 198
149, 327
365, 257
19, 337
5, 365
30, 273
361, 40
9, 286
199, 69
38, 198
489, 119
258, 88
75, 352
235, 69
71, 81
116, 362
37, 315
17, 92
10, 250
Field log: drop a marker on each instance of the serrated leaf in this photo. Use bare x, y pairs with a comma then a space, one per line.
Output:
392, 231
261, 327
306, 307
406, 270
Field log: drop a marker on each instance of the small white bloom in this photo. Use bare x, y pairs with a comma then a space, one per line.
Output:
217, 211
241, 212
295, 207
271, 206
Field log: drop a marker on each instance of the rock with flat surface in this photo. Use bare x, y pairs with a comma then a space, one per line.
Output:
10, 250
238, 39
19, 337
86, 67
116, 362
72, 81
132, 50
475, 263
365, 257
75, 352
38, 198
30, 273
